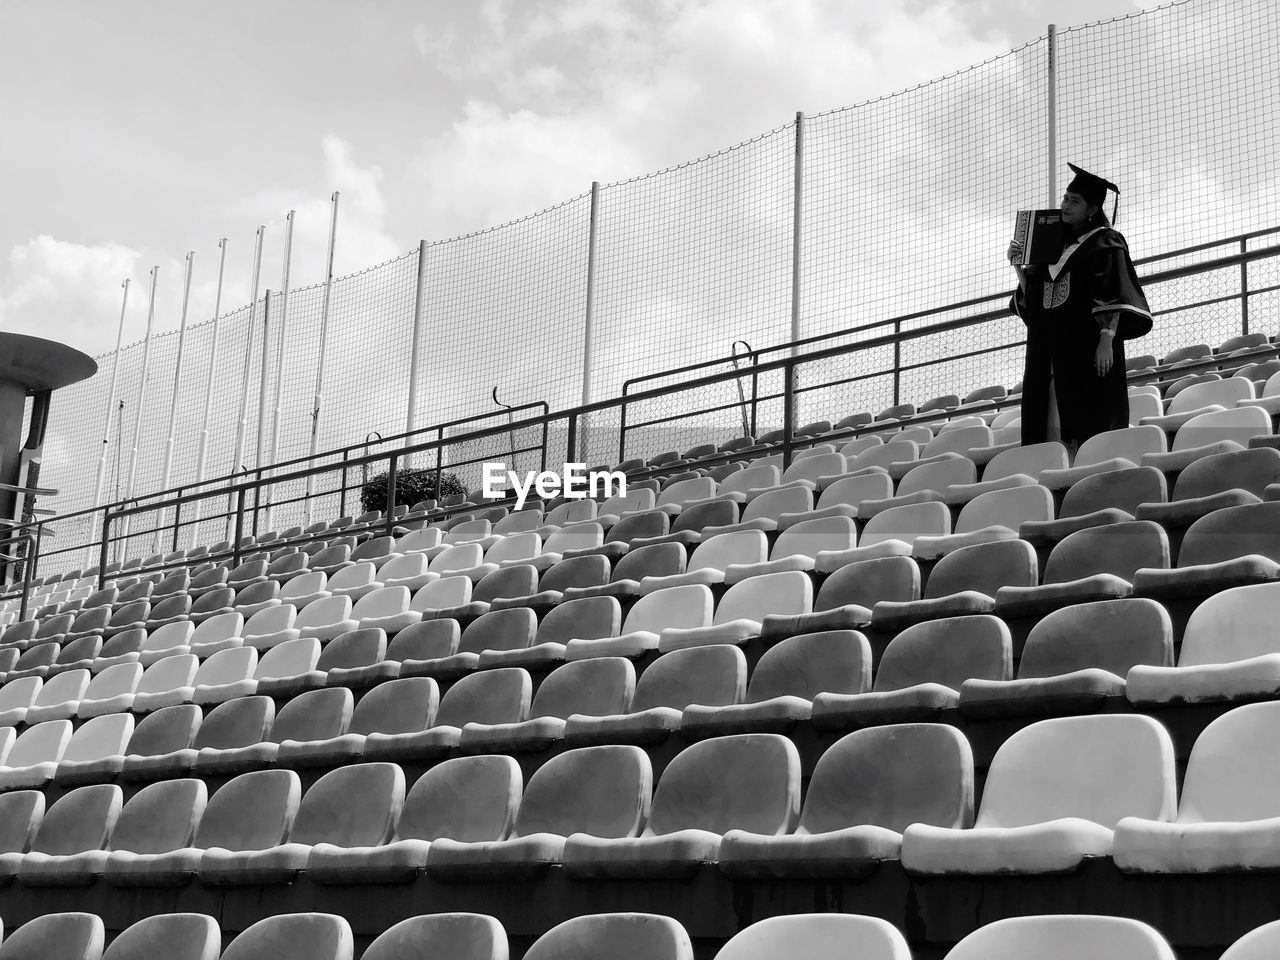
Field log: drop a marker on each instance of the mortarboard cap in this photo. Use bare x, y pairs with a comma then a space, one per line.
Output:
1092, 188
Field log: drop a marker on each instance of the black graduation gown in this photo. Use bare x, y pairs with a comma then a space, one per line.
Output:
1065, 310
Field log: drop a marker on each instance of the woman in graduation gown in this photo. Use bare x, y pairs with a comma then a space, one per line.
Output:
1078, 312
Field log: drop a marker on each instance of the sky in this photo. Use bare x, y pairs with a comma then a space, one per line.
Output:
138, 130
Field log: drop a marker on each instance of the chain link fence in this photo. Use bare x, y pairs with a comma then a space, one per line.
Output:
905, 208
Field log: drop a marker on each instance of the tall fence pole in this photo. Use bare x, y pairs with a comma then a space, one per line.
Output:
411, 415
177, 375
1051, 104
589, 311
797, 238
242, 423
318, 403
142, 396
111, 399
203, 455
259, 449
282, 340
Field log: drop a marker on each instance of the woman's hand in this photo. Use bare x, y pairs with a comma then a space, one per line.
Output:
1104, 355
1014, 253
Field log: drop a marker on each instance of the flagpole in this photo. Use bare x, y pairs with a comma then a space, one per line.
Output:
318, 402
111, 398
208, 386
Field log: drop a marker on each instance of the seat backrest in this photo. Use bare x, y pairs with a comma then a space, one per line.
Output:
853, 490
714, 675
1111, 635
227, 666
516, 546
22, 692
1099, 768
358, 575
1005, 508
442, 594
1232, 532
652, 560
236, 723
323, 612
164, 731
353, 806
614, 936
750, 478
1116, 548
948, 651
98, 737
748, 782
66, 936
600, 686
81, 819
294, 936
589, 618
892, 776
1063, 938
984, 567
883, 455
833, 661
1237, 425
466, 798
512, 628
685, 606
63, 688
355, 648
603, 791
809, 537
1232, 774
289, 659
458, 936
520, 580
303, 585
866, 581
215, 599
787, 593
771, 504
161, 817
1260, 943
406, 705
740, 546
425, 640
1122, 489
1031, 460
169, 674
685, 491
1224, 393
578, 536
937, 476
907, 522
589, 571
817, 936
271, 620
959, 440
40, 744
488, 696
21, 812
250, 812
1250, 470
1232, 625
177, 936
1126, 443
814, 466
314, 715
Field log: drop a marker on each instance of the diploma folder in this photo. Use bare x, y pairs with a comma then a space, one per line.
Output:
1041, 235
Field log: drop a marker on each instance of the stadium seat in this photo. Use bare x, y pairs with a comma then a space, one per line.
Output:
1053, 795
890, 533
1209, 433
1075, 658
844, 602
1109, 497
403, 706
17, 697
997, 515
408, 570
353, 581
713, 555
614, 936
924, 482
797, 548
65, 936
313, 715
1110, 450
250, 812
458, 936
294, 936
468, 799
305, 589
490, 697
354, 650
1258, 944
68, 847
749, 782
414, 651
817, 936
1063, 938
1226, 820
237, 723
168, 641
325, 619
601, 686
442, 593
174, 936
57, 697
744, 605
843, 496
353, 806
1229, 652
571, 573
657, 559
587, 619
37, 748
279, 667
166, 730
225, 675
603, 791
270, 627
1016, 467
508, 629
921, 673
784, 683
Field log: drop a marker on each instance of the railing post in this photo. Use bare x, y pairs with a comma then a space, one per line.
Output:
177, 521
104, 548
571, 442
788, 412
26, 584
392, 476
239, 528
342, 491
411, 416
1244, 288
622, 432
439, 462
755, 395
897, 362
797, 239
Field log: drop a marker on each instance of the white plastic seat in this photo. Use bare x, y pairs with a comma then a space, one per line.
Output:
419, 541
326, 619
1230, 804
16, 698
408, 570
385, 609
220, 677
1261, 943
457, 560
1209, 433
1054, 793
354, 581
176, 936
221, 632
996, 515
679, 607
66, 936
764, 509
281, 664
614, 936
458, 936
713, 555
37, 748
166, 641
798, 546
305, 589
1230, 651
115, 681
817, 936
742, 608
1110, 450
267, 628
891, 533
58, 697
441, 593
1063, 937
294, 936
